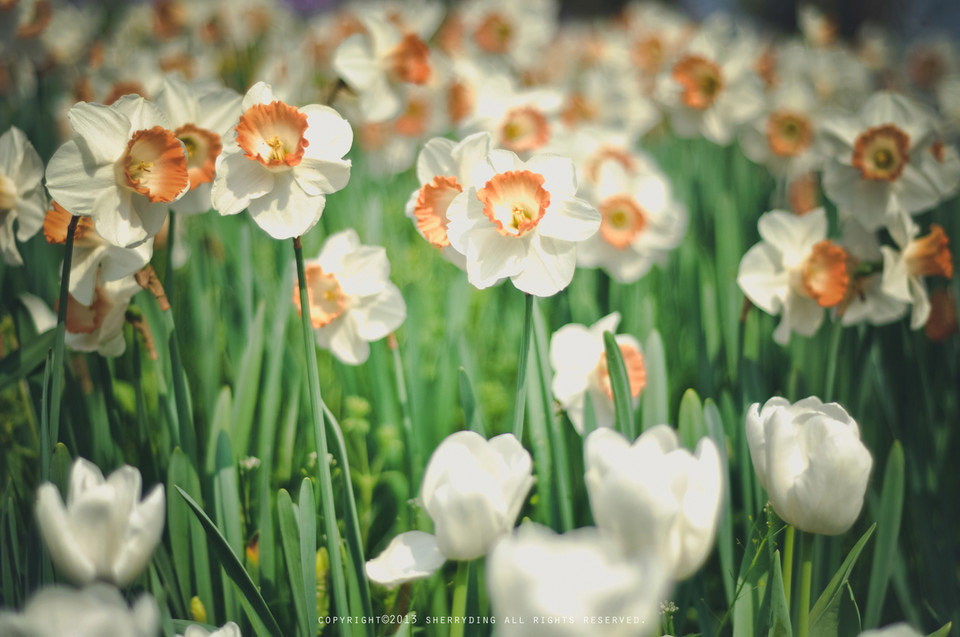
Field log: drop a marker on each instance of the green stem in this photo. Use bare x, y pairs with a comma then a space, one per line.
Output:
168, 270
320, 438
519, 404
788, 562
413, 447
57, 364
458, 609
833, 353
806, 575
187, 431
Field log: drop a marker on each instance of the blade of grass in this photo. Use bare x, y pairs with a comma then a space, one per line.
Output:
521, 393
290, 542
308, 546
888, 530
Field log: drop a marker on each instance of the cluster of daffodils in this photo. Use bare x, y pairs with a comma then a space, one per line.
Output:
881, 167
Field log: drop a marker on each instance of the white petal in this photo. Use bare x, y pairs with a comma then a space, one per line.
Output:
436, 159
355, 62
409, 556
75, 180
559, 173
259, 93
322, 176
58, 535
548, 266
287, 211
762, 278
238, 181
104, 130
570, 220
382, 314
329, 135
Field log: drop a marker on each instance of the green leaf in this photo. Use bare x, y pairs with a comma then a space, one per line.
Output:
290, 541
308, 545
943, 631
253, 602
655, 404
779, 611
22, 362
469, 404
247, 387
690, 423
888, 530
622, 407
714, 423
825, 614
226, 499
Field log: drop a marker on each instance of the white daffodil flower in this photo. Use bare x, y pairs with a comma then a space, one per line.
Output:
280, 162
22, 199
877, 165
641, 220
916, 258
352, 300
579, 361
98, 326
524, 223
200, 115
123, 167
794, 271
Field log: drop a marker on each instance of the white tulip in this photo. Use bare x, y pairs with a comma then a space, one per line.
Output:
230, 629
654, 495
473, 490
810, 459
562, 584
105, 531
95, 611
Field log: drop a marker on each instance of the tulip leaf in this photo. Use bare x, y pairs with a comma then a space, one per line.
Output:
308, 545
655, 403
620, 384
943, 631
752, 596
825, 614
290, 541
22, 362
690, 423
888, 530
253, 602
779, 610
714, 423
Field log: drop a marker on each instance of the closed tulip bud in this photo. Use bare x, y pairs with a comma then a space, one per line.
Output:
229, 629
894, 630
810, 459
473, 490
105, 531
654, 495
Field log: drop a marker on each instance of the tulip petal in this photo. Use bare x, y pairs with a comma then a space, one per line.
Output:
409, 556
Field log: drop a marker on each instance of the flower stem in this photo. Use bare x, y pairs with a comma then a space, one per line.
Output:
788, 562
168, 270
806, 574
320, 438
413, 447
57, 364
458, 610
519, 404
